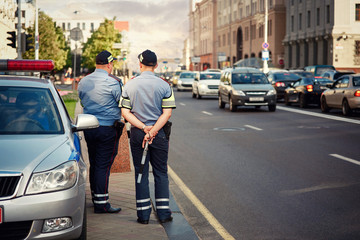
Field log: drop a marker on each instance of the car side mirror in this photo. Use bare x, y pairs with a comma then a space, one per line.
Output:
85, 121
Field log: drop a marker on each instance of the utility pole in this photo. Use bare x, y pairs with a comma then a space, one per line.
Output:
19, 30
265, 67
36, 31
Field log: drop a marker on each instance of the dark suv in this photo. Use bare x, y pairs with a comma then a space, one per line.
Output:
246, 87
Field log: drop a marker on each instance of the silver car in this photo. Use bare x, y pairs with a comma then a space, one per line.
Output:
185, 81
343, 94
42, 173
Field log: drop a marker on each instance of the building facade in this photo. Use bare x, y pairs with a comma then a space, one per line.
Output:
238, 32
323, 32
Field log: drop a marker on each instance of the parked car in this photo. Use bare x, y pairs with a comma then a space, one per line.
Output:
306, 91
281, 80
206, 84
185, 81
333, 74
344, 94
317, 70
42, 173
246, 87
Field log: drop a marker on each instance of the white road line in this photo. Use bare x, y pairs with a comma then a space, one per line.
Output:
182, 104
202, 209
252, 127
319, 115
345, 158
207, 113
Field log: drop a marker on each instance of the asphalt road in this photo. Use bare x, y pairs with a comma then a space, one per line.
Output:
267, 175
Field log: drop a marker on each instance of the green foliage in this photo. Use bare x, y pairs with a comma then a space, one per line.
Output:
52, 44
70, 100
101, 39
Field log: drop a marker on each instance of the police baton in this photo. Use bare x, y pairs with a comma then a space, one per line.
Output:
143, 162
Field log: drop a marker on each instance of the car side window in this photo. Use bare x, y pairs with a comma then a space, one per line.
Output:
356, 81
345, 82
297, 83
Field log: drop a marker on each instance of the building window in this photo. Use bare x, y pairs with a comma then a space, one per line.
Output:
292, 23
219, 41
246, 33
229, 39
308, 19
261, 31
234, 37
83, 26
224, 39
270, 28
357, 12
247, 11
92, 27
78, 25
253, 32
357, 48
262, 8
63, 26
23, 13
69, 26
318, 16
327, 13
270, 3
300, 21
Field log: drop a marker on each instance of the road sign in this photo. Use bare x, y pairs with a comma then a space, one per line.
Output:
222, 58
281, 61
195, 59
265, 55
76, 34
265, 45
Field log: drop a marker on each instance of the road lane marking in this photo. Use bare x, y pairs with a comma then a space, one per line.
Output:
182, 104
202, 209
252, 127
322, 115
207, 113
345, 158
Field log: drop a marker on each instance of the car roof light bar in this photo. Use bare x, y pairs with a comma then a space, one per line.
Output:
26, 65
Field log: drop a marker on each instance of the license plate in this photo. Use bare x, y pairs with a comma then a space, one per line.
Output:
256, 99
1, 214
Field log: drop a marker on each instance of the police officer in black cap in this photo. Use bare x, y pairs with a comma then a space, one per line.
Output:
147, 103
100, 94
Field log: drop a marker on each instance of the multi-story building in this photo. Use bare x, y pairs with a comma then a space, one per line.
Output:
238, 31
323, 32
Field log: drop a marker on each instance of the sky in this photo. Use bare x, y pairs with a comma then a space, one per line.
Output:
159, 25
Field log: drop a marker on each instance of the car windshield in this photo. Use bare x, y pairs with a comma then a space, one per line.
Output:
187, 75
356, 81
210, 76
286, 76
249, 78
28, 111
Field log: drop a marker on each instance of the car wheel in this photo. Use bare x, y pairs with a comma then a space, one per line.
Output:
221, 103
272, 108
286, 100
346, 110
198, 96
83, 235
323, 105
232, 107
302, 101
179, 90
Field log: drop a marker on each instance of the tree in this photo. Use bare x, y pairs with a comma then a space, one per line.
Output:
101, 39
52, 44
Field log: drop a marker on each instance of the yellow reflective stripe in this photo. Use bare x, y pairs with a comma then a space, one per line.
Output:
110, 58
125, 103
169, 102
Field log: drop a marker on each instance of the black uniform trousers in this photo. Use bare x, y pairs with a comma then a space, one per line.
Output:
102, 143
157, 155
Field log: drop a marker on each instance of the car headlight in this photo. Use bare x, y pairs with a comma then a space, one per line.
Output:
179, 82
239, 93
271, 92
59, 178
202, 85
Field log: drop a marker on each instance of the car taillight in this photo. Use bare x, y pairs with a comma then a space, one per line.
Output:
280, 84
309, 88
357, 93
27, 65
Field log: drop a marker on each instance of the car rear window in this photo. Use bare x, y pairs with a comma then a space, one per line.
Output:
210, 76
249, 78
286, 76
26, 110
356, 81
321, 70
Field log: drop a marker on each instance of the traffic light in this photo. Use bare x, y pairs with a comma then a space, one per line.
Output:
12, 39
26, 42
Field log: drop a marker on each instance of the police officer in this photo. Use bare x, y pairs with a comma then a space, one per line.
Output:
147, 103
100, 95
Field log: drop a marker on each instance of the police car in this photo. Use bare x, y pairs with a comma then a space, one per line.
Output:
42, 173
